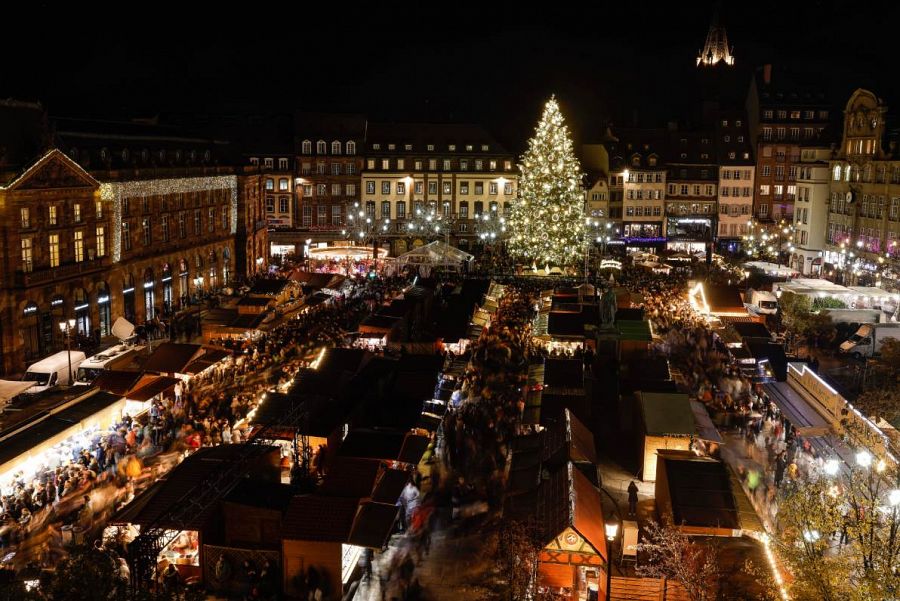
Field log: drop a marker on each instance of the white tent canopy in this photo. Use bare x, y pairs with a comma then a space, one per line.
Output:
10, 388
772, 268
435, 255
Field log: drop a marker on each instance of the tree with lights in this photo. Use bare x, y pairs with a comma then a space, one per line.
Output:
840, 535
547, 220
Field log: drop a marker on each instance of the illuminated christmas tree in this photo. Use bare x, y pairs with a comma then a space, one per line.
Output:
547, 220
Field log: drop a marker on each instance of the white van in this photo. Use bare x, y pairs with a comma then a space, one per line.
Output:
111, 358
52, 371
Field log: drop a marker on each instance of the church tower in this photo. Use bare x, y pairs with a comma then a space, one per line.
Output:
716, 49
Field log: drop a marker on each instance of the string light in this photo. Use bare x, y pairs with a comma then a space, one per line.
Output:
115, 192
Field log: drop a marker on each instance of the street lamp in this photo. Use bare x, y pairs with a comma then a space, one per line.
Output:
66, 327
612, 529
864, 458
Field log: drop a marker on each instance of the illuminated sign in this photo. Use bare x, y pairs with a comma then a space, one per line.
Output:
655, 239
102, 300
56, 302
81, 307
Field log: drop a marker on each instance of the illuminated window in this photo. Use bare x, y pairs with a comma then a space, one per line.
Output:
27, 255
54, 250
79, 246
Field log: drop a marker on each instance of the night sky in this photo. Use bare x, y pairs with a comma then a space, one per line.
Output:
491, 63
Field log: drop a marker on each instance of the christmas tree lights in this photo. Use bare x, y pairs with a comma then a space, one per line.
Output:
547, 219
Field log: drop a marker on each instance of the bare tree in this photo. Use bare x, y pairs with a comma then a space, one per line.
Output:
517, 557
690, 561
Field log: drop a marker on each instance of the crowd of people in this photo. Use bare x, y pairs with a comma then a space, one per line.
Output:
98, 474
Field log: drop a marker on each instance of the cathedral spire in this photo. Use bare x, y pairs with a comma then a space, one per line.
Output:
716, 49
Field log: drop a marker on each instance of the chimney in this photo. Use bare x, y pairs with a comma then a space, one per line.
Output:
767, 73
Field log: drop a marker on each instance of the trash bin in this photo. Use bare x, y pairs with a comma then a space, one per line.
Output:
66, 533
79, 534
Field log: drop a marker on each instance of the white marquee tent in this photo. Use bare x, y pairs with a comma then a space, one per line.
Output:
436, 255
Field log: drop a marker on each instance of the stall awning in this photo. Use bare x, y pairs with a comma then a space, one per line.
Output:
209, 358
117, 382
172, 357
373, 525
150, 386
705, 428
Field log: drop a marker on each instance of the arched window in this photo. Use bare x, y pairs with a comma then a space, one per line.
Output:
103, 309
847, 173
837, 173
307, 147
351, 147
321, 147
104, 154
335, 147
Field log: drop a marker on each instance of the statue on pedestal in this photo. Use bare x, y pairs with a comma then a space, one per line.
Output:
608, 308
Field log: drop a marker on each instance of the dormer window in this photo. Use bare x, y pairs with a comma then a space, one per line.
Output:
351, 147
307, 147
335, 147
452, 147
431, 147
652, 161
392, 147
321, 147
268, 163
407, 147
485, 148
469, 147
254, 161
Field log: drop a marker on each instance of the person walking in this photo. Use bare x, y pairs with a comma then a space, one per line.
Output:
632, 498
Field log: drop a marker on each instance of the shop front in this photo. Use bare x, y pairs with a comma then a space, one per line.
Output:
31, 332
149, 295
82, 312
167, 290
691, 235
128, 298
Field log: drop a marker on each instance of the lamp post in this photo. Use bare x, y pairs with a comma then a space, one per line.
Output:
65, 327
612, 529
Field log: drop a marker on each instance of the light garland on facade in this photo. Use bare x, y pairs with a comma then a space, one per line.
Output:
115, 192
547, 219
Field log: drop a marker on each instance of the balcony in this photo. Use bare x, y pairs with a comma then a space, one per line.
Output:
45, 276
